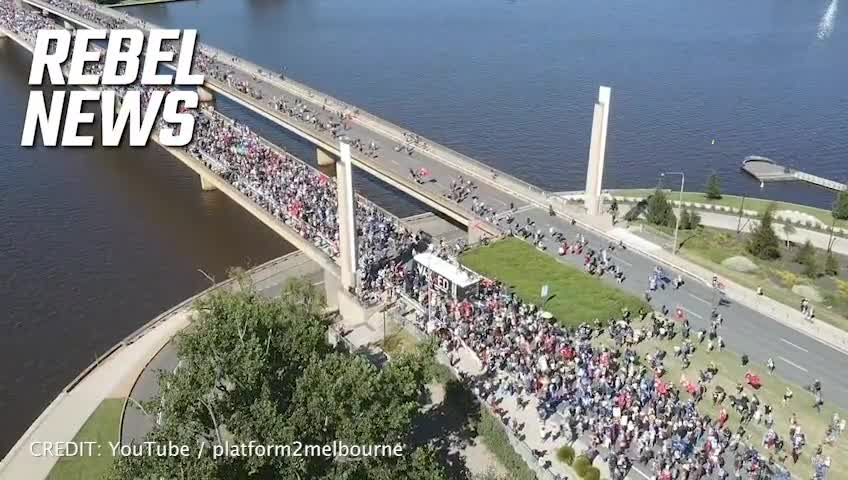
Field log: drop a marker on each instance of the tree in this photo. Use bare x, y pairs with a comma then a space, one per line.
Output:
764, 243
684, 219
239, 362
259, 370
840, 206
419, 464
831, 264
694, 220
713, 188
659, 211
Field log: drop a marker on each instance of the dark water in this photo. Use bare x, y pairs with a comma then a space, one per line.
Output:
512, 83
93, 243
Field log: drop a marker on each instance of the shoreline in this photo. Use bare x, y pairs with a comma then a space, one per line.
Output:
141, 345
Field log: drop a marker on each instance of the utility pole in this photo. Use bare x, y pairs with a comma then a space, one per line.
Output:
679, 205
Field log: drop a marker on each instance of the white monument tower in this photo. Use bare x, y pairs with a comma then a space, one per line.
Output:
347, 227
597, 149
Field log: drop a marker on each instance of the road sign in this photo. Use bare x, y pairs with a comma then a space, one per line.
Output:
545, 290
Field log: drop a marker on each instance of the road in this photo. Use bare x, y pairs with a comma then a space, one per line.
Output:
799, 357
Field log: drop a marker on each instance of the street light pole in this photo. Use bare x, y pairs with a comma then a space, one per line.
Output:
679, 205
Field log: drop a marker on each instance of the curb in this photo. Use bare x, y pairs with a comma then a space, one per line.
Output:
744, 301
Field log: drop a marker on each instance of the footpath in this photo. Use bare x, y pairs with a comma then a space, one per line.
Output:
64, 417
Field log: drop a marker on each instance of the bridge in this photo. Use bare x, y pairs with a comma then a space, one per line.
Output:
388, 165
336, 259
380, 148
751, 330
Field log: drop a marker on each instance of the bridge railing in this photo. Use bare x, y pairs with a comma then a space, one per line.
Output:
824, 182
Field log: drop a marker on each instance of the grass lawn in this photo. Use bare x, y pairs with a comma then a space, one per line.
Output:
757, 204
577, 297
709, 247
491, 430
102, 428
731, 372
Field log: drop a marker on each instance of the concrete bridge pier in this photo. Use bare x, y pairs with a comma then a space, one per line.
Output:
345, 296
206, 185
331, 290
325, 158
597, 150
346, 218
204, 95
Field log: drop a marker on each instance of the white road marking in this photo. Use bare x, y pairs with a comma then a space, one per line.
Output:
394, 161
692, 313
699, 298
796, 346
799, 367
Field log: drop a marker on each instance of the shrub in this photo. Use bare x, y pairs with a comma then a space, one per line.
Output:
788, 279
806, 253
842, 286
565, 454
592, 473
764, 243
581, 465
831, 265
811, 268
713, 188
659, 211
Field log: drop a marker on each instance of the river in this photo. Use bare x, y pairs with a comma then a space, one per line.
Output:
94, 242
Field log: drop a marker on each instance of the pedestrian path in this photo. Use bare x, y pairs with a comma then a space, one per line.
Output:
69, 411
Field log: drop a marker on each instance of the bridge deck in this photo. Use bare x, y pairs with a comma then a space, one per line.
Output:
497, 189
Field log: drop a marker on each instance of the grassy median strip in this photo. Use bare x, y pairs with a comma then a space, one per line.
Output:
710, 247
101, 427
758, 205
576, 296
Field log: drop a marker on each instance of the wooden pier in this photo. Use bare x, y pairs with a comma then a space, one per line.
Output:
767, 170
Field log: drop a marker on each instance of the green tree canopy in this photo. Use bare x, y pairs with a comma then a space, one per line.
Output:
253, 369
763, 242
840, 206
659, 211
713, 187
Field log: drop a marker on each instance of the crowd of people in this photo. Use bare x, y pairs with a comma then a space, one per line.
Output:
299, 195
608, 394
622, 403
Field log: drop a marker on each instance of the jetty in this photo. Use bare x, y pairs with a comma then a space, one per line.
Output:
767, 170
